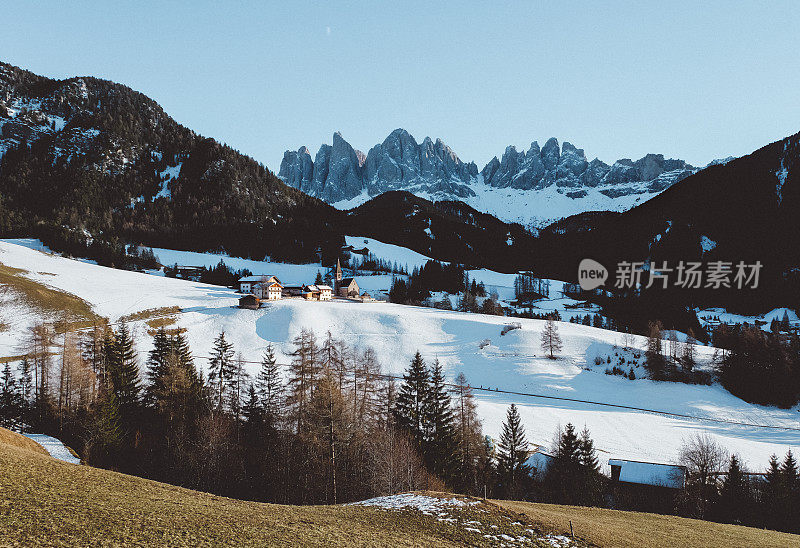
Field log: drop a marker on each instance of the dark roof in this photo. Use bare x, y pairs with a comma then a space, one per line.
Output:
248, 297
347, 281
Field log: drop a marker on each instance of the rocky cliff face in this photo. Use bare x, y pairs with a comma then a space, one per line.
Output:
546, 182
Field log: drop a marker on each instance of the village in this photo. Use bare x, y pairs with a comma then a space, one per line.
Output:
261, 288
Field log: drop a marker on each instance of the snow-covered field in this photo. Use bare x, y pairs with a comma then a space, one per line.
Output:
513, 362
54, 446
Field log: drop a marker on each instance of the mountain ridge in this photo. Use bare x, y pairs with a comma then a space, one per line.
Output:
548, 182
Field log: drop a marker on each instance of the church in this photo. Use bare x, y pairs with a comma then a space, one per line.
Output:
345, 287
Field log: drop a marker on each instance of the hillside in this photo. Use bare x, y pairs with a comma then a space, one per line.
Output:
512, 362
85, 162
605, 527
745, 210
75, 505
84, 506
12, 439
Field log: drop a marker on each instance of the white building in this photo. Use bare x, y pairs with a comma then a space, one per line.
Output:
246, 284
648, 473
268, 291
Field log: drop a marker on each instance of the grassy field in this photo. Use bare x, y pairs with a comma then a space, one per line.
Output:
70, 310
46, 502
12, 439
605, 527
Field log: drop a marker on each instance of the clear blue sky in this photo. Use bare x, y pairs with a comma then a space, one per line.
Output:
693, 80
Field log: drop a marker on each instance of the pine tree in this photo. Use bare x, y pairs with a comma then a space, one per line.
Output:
551, 341
593, 487
735, 497
513, 454
157, 366
440, 446
774, 494
220, 370
252, 410
124, 375
318, 280
9, 398
409, 410
270, 387
564, 473
25, 387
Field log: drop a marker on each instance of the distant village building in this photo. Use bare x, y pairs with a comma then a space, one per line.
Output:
344, 287
270, 291
349, 288
648, 473
246, 284
325, 292
186, 272
539, 462
250, 301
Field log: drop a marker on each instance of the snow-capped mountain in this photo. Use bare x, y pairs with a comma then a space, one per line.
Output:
534, 187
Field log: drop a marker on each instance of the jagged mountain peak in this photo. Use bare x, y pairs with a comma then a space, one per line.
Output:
433, 170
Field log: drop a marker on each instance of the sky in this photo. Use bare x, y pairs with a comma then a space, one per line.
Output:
690, 80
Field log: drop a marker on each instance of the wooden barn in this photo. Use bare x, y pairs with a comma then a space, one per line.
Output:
250, 301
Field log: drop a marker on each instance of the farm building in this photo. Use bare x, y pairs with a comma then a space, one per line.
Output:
246, 284
648, 473
185, 272
270, 291
539, 461
325, 292
249, 301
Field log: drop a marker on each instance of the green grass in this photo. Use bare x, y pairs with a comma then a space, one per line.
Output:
605, 527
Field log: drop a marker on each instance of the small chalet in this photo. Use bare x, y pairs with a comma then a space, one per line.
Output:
246, 284
325, 292
270, 291
648, 473
250, 301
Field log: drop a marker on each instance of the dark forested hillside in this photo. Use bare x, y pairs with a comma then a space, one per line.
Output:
90, 162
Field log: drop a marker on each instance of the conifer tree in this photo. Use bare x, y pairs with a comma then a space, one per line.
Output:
735, 497
774, 494
252, 410
25, 387
513, 454
220, 370
157, 365
124, 374
564, 474
412, 397
270, 387
551, 341
9, 397
440, 445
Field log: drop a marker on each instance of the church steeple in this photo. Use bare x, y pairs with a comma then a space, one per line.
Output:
338, 271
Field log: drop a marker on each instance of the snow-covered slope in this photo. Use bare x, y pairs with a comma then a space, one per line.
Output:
534, 187
511, 362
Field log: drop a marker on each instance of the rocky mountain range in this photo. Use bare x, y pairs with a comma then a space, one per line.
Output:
535, 186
